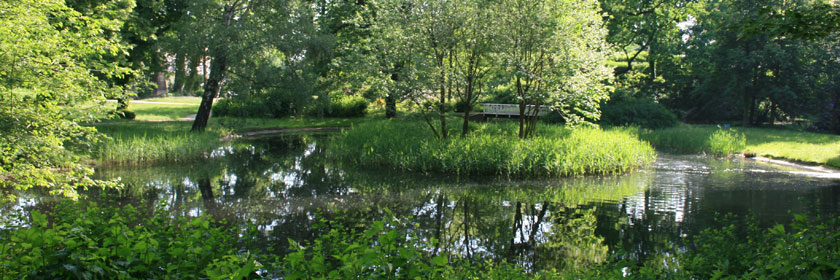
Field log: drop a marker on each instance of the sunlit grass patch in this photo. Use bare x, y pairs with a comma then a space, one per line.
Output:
162, 112
800, 146
493, 149
697, 139
175, 99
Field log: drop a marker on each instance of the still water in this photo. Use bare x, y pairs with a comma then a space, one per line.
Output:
284, 184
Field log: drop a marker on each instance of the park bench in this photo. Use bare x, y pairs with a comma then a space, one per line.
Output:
510, 110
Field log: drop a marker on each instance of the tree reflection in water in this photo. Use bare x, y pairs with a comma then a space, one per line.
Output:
283, 185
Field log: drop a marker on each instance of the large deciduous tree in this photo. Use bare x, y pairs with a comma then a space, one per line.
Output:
234, 30
54, 72
556, 53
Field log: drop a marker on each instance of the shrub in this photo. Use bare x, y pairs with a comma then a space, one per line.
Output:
493, 149
348, 106
638, 112
89, 242
252, 108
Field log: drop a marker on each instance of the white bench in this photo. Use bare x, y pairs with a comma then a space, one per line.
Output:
511, 110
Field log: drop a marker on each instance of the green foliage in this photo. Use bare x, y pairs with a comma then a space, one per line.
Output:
150, 143
53, 69
383, 250
725, 142
493, 149
341, 106
85, 241
695, 139
644, 113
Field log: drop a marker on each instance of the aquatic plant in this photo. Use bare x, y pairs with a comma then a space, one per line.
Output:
697, 139
493, 148
149, 143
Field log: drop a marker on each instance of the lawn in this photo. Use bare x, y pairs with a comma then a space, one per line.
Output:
794, 145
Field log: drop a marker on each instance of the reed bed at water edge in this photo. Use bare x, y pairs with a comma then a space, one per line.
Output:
493, 149
695, 139
150, 143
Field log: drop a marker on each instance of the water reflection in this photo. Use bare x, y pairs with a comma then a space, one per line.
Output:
284, 184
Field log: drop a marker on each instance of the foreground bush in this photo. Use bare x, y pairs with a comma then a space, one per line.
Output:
89, 242
493, 149
802, 250
85, 241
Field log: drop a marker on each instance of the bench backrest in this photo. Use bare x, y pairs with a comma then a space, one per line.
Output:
511, 109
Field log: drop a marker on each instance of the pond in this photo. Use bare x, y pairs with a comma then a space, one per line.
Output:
285, 184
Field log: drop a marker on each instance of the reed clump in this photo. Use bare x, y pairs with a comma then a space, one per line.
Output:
152, 143
493, 149
697, 139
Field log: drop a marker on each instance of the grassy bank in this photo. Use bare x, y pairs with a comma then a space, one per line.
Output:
140, 143
696, 139
493, 149
800, 146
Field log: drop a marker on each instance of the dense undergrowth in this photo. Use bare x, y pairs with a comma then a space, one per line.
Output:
493, 148
85, 241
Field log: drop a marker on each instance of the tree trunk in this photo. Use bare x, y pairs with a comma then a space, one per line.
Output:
211, 89
159, 78
390, 99
390, 106
180, 73
466, 128
835, 113
443, 133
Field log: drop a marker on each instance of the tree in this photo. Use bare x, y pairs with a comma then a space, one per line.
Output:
234, 29
473, 57
50, 69
556, 53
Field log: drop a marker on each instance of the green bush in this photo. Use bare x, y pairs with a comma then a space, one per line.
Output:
81, 241
252, 108
348, 106
738, 250
493, 149
638, 112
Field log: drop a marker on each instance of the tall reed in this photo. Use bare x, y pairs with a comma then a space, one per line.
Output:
697, 139
493, 149
149, 143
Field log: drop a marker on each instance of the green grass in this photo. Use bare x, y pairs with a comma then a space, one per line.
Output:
161, 112
493, 148
143, 143
175, 99
787, 144
696, 139
801, 146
